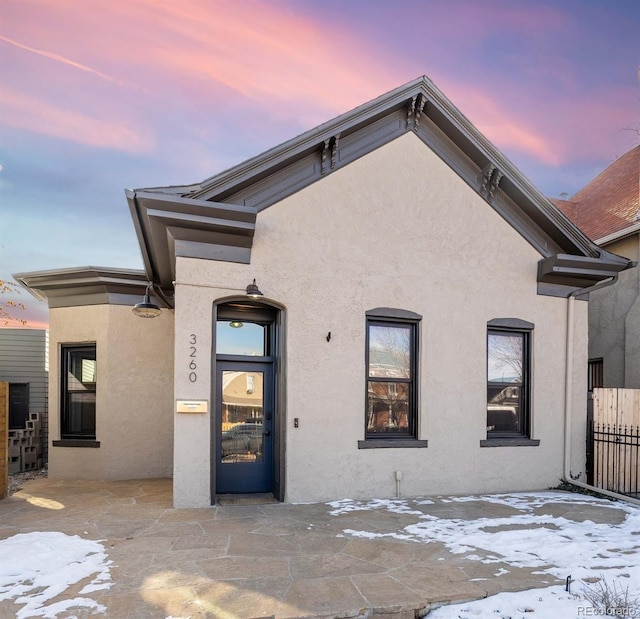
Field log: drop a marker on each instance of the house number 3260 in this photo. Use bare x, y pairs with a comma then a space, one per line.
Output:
193, 351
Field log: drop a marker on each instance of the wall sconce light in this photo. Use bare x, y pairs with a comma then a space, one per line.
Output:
253, 291
236, 324
146, 309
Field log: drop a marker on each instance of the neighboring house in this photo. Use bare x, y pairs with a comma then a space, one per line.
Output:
608, 211
24, 365
382, 301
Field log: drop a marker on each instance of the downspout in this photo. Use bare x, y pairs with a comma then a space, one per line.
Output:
568, 395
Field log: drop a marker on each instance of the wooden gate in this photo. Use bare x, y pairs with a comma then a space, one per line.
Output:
614, 437
4, 439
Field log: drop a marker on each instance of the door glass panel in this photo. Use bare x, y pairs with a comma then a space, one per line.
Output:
242, 417
236, 337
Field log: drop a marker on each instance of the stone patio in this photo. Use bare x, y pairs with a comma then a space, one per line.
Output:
268, 560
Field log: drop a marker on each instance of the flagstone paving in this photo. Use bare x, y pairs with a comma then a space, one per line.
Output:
268, 560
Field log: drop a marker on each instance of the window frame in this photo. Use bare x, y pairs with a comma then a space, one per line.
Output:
66, 352
505, 327
253, 314
595, 374
401, 319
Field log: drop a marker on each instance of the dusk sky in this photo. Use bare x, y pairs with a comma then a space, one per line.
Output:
97, 96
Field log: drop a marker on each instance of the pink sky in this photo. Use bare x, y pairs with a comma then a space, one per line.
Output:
98, 96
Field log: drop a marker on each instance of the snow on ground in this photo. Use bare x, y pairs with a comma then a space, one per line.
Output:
533, 538
37, 567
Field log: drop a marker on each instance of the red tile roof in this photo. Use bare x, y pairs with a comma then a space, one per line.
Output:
610, 202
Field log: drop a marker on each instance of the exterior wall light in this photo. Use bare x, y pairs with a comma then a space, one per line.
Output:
146, 309
236, 324
253, 291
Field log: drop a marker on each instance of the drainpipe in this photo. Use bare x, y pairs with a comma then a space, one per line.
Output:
568, 394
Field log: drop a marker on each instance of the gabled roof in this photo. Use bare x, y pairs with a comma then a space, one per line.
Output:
611, 201
189, 218
216, 219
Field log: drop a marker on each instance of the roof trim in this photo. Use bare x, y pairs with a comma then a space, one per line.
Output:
620, 234
264, 180
168, 226
580, 271
86, 286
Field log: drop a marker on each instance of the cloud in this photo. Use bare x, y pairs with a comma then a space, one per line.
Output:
58, 58
501, 125
264, 52
159, 61
196, 69
27, 112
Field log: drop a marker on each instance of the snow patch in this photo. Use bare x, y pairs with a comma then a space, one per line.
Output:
555, 545
37, 567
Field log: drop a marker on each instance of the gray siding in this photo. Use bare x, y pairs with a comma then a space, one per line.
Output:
24, 358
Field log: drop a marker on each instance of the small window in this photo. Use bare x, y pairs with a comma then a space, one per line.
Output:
391, 353
508, 383
244, 330
240, 337
78, 406
596, 374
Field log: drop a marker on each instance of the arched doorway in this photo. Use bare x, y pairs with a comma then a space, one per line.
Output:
247, 431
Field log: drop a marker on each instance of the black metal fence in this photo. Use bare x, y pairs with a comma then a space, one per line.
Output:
613, 458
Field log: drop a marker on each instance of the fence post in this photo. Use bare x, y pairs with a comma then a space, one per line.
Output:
589, 449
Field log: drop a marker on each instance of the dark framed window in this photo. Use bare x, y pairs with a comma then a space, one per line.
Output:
509, 379
78, 390
391, 362
596, 374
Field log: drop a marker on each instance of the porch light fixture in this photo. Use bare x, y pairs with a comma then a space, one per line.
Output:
146, 309
253, 291
236, 324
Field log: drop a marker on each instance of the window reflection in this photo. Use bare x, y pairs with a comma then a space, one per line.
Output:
242, 417
505, 387
79, 389
237, 337
505, 357
388, 407
389, 351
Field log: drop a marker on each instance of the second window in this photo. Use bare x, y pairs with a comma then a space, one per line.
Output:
391, 379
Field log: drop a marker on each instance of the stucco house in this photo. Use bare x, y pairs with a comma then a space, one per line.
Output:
382, 304
608, 210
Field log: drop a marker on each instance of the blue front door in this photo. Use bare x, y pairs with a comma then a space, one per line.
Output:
244, 427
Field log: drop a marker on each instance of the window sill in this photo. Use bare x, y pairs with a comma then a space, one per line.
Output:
76, 442
510, 442
391, 443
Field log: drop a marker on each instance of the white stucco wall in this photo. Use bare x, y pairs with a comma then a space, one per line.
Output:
396, 228
134, 393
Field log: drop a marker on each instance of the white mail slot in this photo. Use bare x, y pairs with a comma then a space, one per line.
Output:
192, 406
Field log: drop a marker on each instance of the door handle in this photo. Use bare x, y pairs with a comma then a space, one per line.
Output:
267, 432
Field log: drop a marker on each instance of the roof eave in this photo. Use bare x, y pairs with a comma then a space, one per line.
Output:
169, 225
85, 286
619, 235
